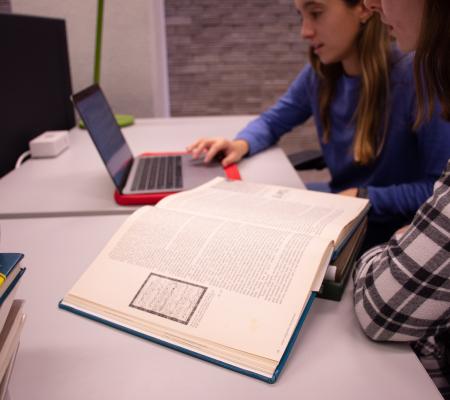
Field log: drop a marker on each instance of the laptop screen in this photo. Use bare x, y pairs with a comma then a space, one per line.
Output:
99, 120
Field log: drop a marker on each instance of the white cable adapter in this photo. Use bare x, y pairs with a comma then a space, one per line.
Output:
49, 144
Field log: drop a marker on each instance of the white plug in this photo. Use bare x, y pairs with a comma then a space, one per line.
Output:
49, 144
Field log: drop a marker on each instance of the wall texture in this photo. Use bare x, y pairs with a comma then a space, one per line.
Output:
231, 57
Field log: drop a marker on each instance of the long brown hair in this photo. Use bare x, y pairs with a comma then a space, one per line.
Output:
370, 115
431, 61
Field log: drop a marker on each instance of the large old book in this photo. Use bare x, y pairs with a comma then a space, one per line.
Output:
225, 272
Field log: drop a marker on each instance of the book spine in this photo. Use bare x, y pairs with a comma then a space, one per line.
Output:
12, 285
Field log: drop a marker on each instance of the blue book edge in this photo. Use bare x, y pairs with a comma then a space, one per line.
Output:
8, 261
201, 356
12, 285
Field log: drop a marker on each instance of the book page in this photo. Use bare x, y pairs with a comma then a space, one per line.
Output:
200, 278
312, 213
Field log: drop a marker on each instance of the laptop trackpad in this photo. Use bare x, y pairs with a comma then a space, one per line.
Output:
196, 172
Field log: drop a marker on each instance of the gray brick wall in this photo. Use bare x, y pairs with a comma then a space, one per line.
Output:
5, 6
231, 56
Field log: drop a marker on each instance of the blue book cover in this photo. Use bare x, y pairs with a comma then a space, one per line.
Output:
8, 261
252, 374
11, 285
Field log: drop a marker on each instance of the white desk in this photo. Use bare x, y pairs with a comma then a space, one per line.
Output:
77, 183
64, 356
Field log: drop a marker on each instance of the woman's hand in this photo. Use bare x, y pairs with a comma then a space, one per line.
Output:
232, 150
400, 232
352, 192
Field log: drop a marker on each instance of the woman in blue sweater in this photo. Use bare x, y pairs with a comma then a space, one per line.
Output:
360, 92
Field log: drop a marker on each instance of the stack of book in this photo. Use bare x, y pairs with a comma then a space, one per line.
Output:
342, 262
226, 272
12, 316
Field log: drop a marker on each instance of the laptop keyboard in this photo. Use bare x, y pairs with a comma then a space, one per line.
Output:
158, 173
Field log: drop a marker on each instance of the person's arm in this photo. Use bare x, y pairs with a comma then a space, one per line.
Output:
292, 109
402, 288
433, 139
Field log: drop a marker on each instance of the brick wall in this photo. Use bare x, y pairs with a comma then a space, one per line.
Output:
231, 56
5, 6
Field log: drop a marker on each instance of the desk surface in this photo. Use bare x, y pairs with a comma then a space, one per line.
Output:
64, 356
77, 183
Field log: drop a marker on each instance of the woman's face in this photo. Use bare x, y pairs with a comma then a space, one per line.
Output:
331, 27
403, 17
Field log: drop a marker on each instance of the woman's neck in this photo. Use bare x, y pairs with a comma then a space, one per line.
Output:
351, 64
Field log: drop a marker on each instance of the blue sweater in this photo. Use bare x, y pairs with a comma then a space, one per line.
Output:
402, 177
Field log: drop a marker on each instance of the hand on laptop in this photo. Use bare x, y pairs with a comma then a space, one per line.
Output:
226, 151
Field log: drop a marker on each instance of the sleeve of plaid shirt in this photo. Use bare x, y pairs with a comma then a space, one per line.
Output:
402, 288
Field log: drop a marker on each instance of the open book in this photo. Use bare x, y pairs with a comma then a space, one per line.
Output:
226, 271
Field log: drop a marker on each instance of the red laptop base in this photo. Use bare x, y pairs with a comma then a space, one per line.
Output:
231, 172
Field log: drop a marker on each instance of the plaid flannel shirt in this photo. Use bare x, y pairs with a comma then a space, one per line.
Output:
402, 288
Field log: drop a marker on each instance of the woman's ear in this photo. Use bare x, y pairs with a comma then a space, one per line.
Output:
364, 13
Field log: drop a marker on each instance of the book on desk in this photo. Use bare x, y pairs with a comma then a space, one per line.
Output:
226, 272
341, 264
9, 342
12, 316
11, 272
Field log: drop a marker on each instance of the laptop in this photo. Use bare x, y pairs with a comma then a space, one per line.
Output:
149, 177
